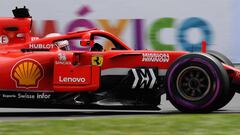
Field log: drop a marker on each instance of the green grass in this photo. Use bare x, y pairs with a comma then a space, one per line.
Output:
180, 124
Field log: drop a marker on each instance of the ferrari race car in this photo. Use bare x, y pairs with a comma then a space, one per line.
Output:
46, 73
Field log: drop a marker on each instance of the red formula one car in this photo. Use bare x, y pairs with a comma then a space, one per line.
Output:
44, 72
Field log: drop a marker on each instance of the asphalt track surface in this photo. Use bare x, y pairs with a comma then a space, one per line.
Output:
9, 114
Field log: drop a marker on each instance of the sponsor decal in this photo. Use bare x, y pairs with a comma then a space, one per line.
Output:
41, 46
4, 39
71, 79
25, 95
155, 57
62, 59
62, 56
27, 73
63, 62
97, 60
144, 78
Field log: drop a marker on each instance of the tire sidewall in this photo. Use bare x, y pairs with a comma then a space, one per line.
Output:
217, 76
226, 97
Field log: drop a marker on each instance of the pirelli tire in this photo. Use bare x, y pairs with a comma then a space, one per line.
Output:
196, 83
228, 96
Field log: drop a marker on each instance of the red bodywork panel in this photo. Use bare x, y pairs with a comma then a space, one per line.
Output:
39, 65
234, 73
76, 78
15, 30
32, 64
45, 72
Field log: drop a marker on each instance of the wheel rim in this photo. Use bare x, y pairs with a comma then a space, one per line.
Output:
193, 83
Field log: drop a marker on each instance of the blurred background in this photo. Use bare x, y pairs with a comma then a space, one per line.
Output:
156, 24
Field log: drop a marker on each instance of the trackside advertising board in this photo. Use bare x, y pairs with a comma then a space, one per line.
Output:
142, 24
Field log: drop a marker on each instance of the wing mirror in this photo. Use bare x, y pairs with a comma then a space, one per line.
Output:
86, 40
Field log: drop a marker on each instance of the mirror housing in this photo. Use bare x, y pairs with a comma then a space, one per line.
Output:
86, 40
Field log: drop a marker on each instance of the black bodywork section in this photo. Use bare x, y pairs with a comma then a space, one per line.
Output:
116, 92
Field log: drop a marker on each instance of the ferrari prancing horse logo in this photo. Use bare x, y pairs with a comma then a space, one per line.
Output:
97, 60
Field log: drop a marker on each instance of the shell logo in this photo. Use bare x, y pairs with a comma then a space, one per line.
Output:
27, 73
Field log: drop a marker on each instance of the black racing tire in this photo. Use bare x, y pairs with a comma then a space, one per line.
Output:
222, 58
228, 96
196, 83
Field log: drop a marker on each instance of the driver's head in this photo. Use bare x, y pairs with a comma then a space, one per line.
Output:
63, 44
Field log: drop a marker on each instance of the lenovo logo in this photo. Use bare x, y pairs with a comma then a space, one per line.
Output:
71, 79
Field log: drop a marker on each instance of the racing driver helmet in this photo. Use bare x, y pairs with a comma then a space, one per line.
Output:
63, 44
